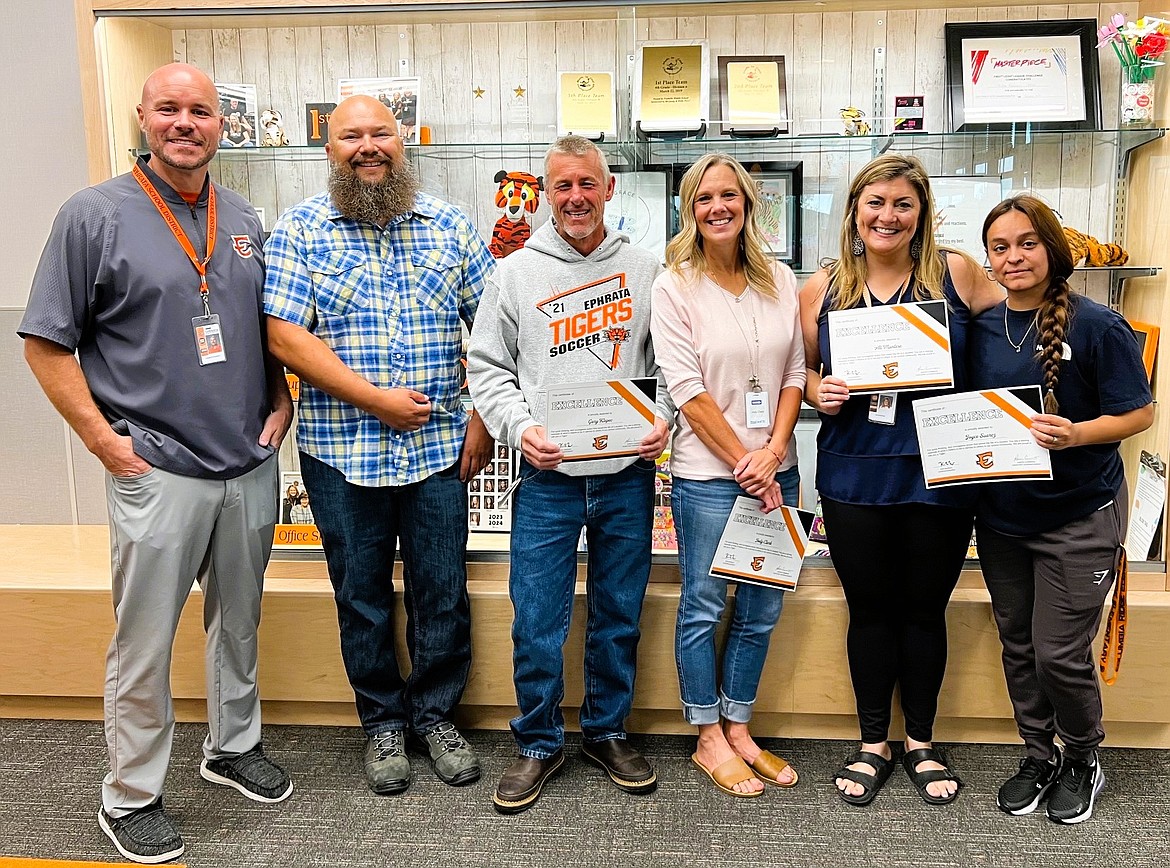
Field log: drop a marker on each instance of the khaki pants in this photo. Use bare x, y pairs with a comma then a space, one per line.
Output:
167, 531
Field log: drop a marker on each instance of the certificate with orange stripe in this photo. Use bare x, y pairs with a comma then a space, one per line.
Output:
603, 419
892, 348
760, 549
981, 437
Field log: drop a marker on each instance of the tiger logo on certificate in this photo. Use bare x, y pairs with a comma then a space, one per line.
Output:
761, 549
981, 437
892, 347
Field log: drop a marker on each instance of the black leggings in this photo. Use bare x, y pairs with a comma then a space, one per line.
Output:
898, 565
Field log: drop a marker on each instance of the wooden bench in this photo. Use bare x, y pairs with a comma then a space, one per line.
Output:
56, 619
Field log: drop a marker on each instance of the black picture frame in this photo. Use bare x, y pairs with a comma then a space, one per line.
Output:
790, 173
1030, 34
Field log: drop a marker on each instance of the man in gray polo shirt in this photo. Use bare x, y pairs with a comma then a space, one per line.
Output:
154, 279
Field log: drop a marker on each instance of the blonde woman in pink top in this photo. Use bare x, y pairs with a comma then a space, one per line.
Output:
727, 337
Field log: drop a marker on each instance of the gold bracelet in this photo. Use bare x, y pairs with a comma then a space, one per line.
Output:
768, 446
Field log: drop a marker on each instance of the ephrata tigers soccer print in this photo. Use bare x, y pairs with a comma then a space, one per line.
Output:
592, 317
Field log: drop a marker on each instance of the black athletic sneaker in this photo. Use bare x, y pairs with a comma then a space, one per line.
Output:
146, 835
1076, 791
1022, 792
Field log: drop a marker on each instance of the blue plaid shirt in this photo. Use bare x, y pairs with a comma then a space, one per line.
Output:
388, 302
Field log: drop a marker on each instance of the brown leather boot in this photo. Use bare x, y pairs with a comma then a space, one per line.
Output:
520, 785
628, 769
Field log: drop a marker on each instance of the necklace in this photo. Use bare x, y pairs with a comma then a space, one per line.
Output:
753, 357
1007, 334
896, 298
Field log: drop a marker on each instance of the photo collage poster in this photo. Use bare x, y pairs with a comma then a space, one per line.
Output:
489, 495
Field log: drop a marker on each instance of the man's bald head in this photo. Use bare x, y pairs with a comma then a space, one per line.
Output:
178, 74
180, 116
360, 112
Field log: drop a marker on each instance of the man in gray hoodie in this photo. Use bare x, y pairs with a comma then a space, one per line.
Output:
573, 305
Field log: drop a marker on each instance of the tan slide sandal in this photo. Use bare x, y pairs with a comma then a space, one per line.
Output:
768, 767
727, 774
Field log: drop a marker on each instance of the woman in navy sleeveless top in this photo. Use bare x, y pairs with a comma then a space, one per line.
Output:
1051, 550
897, 548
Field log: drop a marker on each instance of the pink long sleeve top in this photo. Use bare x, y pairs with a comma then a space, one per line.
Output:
704, 342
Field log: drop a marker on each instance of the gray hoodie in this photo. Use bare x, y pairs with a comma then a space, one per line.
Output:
550, 316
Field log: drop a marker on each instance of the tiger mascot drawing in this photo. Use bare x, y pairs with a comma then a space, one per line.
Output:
519, 192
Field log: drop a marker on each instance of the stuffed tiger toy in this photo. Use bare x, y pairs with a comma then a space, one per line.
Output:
519, 192
1093, 252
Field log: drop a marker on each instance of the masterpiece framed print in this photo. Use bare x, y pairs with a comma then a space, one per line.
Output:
1041, 73
753, 97
640, 207
778, 186
400, 95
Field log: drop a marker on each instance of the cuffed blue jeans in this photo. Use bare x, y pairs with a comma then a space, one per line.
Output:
701, 509
549, 509
360, 529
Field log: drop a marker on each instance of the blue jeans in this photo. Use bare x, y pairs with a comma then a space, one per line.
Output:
548, 511
701, 509
360, 529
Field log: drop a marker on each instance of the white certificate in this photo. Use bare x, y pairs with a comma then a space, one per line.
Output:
1012, 79
604, 419
762, 549
1145, 516
981, 437
892, 348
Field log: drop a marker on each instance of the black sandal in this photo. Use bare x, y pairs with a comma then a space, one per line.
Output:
883, 768
910, 761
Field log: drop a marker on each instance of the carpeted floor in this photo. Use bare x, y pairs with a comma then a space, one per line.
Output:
50, 770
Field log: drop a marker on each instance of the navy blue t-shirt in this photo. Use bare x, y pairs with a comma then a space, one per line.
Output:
866, 463
1101, 375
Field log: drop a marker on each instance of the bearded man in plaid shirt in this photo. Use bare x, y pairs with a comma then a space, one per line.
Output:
366, 287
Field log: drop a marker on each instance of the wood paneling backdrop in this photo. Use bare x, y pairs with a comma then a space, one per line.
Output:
829, 64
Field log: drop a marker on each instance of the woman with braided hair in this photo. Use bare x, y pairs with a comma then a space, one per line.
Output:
1051, 550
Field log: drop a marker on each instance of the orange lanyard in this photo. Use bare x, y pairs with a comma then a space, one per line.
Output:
180, 235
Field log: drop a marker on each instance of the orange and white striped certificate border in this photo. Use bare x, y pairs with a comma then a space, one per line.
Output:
981, 436
761, 549
892, 348
601, 419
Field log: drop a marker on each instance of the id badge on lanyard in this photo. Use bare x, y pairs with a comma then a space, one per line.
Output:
209, 345
757, 408
208, 339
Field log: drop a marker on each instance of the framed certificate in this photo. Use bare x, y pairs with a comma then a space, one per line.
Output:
961, 203
640, 207
753, 97
586, 105
1040, 73
671, 87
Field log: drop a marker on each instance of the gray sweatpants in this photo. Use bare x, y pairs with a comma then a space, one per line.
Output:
1047, 592
166, 531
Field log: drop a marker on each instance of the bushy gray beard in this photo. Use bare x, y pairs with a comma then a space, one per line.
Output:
373, 201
